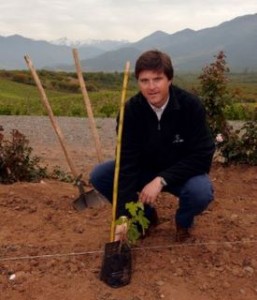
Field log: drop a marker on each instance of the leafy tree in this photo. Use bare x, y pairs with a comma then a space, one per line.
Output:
215, 94
235, 146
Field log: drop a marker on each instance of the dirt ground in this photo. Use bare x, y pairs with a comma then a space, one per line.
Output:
50, 251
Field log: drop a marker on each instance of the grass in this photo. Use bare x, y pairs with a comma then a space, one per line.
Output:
245, 85
23, 99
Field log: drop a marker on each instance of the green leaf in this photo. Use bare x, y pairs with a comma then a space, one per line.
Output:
137, 219
133, 234
132, 208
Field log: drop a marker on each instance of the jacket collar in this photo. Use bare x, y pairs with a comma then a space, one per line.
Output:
173, 103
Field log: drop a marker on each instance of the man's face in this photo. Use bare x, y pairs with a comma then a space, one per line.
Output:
154, 86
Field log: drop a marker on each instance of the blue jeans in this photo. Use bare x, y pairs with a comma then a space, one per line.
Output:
194, 195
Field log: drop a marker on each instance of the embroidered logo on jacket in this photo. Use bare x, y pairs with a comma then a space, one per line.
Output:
177, 139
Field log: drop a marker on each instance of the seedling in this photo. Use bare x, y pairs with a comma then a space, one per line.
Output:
137, 222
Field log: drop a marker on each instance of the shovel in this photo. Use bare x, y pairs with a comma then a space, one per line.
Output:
116, 265
80, 203
85, 199
88, 106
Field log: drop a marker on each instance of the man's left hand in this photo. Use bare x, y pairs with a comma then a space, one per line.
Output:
149, 193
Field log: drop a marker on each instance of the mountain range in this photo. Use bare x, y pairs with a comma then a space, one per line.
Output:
190, 50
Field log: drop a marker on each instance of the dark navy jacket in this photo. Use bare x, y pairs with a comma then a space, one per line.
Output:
177, 147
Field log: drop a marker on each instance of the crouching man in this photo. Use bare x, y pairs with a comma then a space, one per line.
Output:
166, 146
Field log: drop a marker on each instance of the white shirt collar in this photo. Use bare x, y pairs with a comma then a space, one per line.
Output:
159, 110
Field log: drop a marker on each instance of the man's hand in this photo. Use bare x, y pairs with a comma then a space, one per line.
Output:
121, 232
149, 193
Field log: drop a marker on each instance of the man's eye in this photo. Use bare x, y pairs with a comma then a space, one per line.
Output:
143, 80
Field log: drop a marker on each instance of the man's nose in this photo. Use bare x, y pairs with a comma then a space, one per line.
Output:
151, 84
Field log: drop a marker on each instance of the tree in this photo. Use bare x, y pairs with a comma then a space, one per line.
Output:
235, 146
215, 94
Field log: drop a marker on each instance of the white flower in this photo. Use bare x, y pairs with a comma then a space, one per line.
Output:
219, 138
12, 277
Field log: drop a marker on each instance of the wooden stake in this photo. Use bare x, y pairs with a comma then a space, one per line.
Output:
88, 106
46, 104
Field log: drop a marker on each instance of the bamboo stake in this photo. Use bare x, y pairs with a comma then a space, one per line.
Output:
46, 104
88, 106
118, 150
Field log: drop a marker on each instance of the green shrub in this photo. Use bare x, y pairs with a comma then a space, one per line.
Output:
238, 146
237, 112
69, 86
7, 110
108, 110
241, 147
16, 162
76, 111
60, 175
215, 94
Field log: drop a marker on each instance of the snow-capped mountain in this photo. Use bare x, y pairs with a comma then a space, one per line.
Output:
101, 44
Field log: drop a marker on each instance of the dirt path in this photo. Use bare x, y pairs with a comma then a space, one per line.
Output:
77, 135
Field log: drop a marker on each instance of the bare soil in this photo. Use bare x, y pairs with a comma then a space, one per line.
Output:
50, 251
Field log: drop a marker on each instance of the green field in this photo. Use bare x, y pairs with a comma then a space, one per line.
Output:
19, 95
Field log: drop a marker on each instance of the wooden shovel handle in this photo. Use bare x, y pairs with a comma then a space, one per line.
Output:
46, 104
88, 106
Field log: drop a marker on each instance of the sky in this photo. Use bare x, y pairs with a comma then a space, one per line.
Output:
129, 20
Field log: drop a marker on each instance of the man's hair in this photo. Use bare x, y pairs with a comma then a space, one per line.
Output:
154, 60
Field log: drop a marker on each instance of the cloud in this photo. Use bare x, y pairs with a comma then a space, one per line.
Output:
114, 19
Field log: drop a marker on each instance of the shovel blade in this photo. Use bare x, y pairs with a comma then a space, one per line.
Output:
87, 200
116, 265
80, 203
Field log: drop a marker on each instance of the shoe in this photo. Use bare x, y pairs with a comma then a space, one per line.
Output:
182, 234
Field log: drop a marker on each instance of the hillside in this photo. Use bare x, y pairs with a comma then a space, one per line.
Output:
189, 49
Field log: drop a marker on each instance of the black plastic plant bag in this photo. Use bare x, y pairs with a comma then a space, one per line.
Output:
117, 264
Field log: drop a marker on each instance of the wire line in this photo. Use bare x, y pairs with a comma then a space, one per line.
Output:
185, 245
